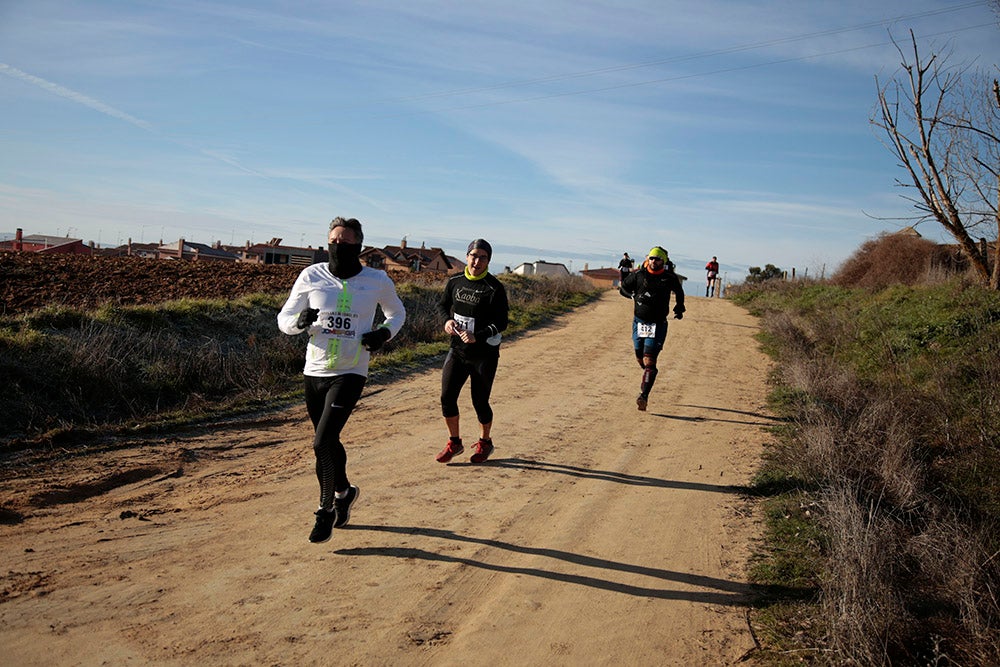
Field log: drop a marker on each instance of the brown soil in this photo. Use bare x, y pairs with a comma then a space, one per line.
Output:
29, 280
597, 534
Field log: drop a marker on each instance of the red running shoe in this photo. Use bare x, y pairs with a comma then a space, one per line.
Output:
451, 450
483, 450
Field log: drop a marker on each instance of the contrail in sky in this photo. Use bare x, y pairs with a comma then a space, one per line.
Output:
74, 96
107, 110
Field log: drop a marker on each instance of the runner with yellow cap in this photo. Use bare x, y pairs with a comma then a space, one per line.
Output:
650, 288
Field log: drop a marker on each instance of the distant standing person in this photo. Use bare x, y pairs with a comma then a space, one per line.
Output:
650, 287
713, 275
475, 305
625, 266
335, 302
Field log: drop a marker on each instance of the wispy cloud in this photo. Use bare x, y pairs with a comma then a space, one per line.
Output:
74, 96
214, 154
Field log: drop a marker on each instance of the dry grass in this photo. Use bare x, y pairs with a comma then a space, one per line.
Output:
894, 401
860, 601
118, 367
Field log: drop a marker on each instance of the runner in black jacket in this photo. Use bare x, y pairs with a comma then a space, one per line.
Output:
475, 305
650, 287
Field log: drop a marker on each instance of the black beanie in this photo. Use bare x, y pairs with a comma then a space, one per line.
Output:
481, 244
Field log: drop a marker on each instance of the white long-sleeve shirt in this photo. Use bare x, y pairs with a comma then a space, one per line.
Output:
346, 311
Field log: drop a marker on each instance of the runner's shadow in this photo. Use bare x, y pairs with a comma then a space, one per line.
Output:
757, 415
681, 417
721, 591
603, 475
716, 419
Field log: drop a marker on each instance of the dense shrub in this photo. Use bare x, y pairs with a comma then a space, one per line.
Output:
889, 259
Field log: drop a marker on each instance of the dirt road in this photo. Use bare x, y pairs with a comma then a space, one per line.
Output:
596, 535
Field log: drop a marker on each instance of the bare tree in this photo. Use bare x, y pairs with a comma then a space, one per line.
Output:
943, 124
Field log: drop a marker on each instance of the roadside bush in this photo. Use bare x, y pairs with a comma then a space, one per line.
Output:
889, 259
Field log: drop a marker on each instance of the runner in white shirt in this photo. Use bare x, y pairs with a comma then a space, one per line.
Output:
335, 303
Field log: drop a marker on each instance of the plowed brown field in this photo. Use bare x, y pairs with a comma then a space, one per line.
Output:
30, 280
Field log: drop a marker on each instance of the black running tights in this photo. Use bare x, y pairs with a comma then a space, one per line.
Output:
453, 376
329, 401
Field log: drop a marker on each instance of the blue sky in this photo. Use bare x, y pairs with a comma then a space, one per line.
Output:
563, 130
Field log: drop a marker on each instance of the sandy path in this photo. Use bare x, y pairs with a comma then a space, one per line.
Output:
596, 535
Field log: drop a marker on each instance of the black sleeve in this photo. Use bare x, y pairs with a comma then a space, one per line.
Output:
498, 317
444, 303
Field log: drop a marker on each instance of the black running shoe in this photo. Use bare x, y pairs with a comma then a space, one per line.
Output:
324, 525
343, 506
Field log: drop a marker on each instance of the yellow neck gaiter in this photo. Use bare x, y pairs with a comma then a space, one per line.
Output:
468, 274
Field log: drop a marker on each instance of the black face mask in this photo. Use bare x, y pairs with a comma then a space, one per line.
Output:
344, 262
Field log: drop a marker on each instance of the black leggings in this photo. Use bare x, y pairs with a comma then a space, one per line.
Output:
453, 376
329, 401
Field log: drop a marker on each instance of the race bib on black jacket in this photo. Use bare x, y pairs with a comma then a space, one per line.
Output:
479, 306
651, 293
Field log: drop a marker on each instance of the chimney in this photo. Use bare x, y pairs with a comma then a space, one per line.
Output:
180, 248
19, 240
402, 244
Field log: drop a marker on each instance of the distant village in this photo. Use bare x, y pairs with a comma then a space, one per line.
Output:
393, 259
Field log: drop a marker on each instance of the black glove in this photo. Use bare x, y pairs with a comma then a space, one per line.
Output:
624, 292
376, 338
678, 314
307, 317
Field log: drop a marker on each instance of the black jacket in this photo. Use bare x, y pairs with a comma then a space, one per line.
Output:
485, 301
651, 292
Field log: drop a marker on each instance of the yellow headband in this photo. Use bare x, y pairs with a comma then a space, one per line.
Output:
657, 251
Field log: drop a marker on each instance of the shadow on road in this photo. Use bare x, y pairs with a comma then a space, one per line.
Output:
603, 475
768, 420
756, 415
722, 591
